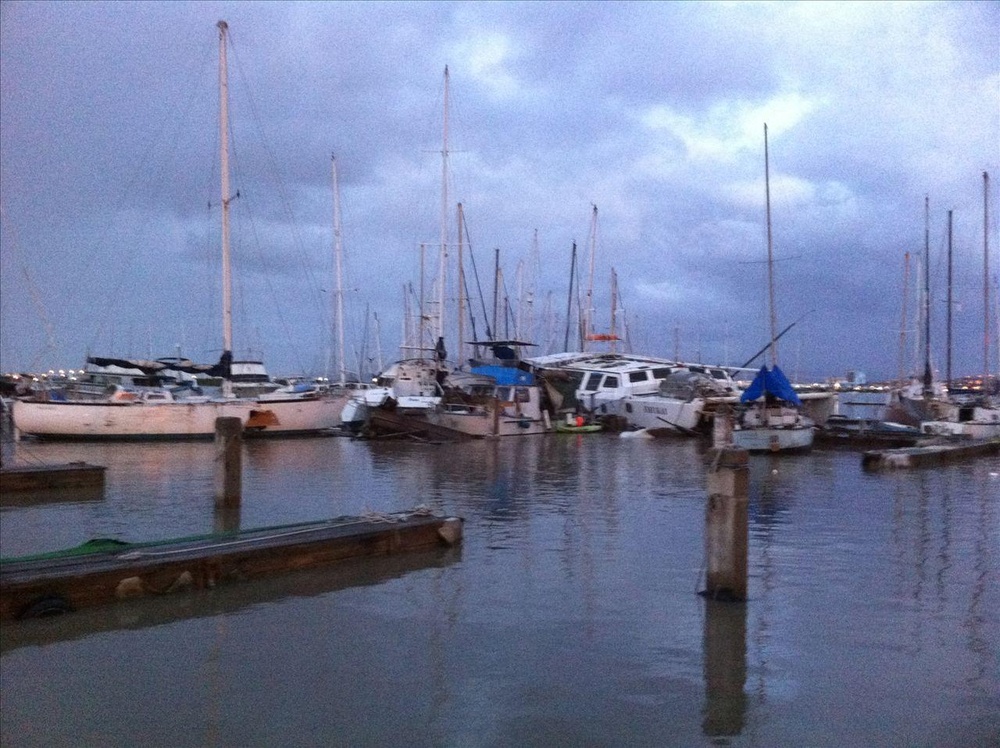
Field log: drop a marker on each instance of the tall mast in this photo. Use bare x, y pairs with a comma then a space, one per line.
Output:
770, 255
947, 371
928, 376
420, 311
338, 252
227, 278
589, 312
461, 292
569, 298
614, 309
496, 289
986, 276
444, 213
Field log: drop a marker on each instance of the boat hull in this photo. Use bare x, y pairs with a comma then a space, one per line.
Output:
656, 412
774, 439
92, 421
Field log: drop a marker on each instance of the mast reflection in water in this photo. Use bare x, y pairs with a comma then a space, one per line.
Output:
570, 615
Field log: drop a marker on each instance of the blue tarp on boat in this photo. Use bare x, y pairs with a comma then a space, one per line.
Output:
773, 382
506, 375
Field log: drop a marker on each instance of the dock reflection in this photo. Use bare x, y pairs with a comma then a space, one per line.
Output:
224, 600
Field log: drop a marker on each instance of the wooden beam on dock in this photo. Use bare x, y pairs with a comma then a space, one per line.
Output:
930, 455
102, 572
44, 477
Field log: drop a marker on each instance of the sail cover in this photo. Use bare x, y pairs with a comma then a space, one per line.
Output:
773, 382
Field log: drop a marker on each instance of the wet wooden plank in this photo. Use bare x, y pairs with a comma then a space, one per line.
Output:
38, 586
928, 455
44, 477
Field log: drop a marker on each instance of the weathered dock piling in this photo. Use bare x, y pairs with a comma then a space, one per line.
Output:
229, 462
726, 516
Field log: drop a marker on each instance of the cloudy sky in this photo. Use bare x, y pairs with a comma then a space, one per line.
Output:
652, 112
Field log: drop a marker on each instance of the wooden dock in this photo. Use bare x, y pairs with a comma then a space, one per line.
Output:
929, 455
105, 571
46, 477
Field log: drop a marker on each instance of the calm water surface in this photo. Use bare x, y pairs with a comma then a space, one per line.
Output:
569, 616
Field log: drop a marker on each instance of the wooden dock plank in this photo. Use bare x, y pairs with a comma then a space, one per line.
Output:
37, 586
44, 477
928, 455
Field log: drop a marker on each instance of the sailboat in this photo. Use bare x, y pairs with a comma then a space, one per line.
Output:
156, 413
771, 419
976, 417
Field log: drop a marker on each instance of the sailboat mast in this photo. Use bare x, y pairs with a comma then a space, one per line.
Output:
444, 213
227, 279
614, 309
928, 376
461, 291
338, 252
770, 254
588, 323
947, 372
496, 288
986, 276
569, 298
903, 322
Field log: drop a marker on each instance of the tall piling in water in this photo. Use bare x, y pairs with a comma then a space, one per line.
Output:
726, 516
228, 473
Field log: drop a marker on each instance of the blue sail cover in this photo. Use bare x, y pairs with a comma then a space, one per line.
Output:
772, 382
505, 375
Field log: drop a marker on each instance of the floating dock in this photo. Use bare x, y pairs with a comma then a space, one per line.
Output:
101, 572
45, 477
929, 455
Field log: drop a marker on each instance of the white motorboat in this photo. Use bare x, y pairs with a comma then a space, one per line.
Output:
643, 392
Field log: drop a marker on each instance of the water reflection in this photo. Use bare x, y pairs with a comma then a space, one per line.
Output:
41, 496
152, 611
725, 643
570, 617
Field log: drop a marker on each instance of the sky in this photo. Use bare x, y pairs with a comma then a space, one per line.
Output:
652, 112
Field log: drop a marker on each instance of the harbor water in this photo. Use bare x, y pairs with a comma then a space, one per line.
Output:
568, 616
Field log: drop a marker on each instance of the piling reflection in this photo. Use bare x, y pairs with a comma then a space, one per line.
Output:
725, 646
51, 496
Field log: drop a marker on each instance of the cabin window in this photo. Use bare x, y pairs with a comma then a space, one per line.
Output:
592, 382
503, 393
718, 374
661, 373
610, 383
522, 395
628, 407
638, 376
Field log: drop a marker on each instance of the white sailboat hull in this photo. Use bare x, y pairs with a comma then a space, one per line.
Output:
656, 412
173, 420
483, 422
774, 439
